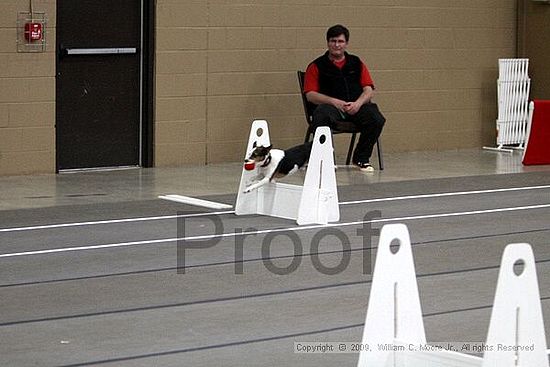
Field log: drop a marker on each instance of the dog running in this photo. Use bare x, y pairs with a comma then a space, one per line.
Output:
276, 163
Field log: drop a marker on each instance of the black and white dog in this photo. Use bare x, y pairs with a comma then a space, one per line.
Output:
276, 163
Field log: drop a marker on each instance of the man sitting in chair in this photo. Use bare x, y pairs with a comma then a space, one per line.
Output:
341, 86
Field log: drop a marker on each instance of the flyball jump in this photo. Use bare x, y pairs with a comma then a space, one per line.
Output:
316, 202
394, 315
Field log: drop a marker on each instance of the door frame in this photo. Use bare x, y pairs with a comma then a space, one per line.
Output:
146, 85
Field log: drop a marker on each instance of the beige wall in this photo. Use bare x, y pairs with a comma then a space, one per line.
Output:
27, 95
534, 38
222, 63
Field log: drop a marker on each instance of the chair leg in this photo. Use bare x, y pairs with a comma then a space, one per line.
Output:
350, 149
379, 152
309, 132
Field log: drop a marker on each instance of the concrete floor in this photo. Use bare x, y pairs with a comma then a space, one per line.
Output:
88, 262
144, 184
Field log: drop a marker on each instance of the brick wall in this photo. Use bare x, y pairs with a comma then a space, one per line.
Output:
221, 64
27, 95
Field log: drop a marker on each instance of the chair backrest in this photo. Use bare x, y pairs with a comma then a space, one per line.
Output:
308, 106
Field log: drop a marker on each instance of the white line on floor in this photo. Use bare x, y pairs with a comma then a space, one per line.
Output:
167, 217
111, 221
294, 229
194, 201
445, 194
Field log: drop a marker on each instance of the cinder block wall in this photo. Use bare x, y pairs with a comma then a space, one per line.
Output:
221, 64
27, 95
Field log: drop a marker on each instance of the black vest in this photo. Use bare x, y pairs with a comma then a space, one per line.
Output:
345, 83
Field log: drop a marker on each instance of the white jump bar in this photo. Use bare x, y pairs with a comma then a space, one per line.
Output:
194, 201
101, 51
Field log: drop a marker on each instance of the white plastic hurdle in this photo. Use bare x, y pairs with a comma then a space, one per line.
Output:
513, 98
316, 202
394, 316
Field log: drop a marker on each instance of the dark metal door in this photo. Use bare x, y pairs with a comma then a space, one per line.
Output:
98, 93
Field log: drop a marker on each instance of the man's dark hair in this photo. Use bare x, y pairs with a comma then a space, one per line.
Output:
337, 30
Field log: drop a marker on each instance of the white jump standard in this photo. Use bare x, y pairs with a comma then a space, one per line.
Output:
394, 315
316, 202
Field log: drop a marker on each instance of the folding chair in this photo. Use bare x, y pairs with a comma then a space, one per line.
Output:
340, 127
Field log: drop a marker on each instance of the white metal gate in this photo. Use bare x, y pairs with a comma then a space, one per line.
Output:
513, 99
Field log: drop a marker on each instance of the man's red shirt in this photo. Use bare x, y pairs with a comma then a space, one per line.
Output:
311, 79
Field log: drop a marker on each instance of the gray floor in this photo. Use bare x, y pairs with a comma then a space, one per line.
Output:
89, 262
145, 184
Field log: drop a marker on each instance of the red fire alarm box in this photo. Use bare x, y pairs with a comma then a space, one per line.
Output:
33, 31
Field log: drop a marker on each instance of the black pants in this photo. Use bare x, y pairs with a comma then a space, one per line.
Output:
369, 119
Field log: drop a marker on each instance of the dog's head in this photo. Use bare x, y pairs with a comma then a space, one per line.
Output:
259, 154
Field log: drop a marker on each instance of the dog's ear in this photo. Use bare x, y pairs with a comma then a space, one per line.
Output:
269, 147
255, 144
